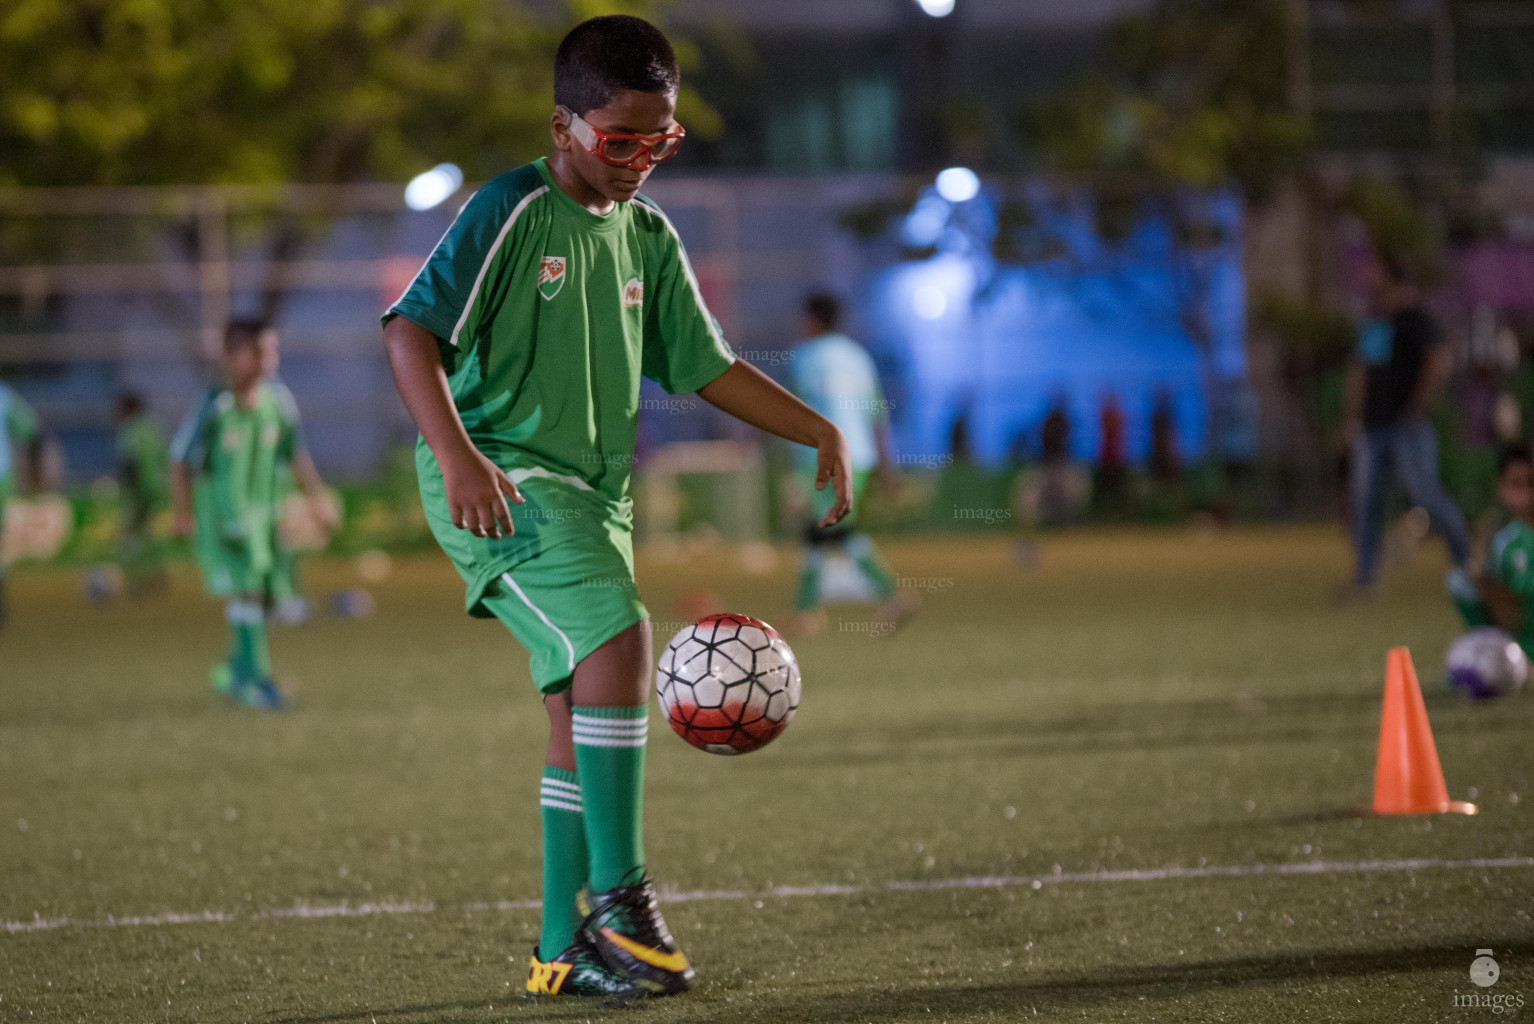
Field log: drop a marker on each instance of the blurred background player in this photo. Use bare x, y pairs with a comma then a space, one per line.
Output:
227, 485
1501, 592
1399, 368
835, 376
18, 430
142, 490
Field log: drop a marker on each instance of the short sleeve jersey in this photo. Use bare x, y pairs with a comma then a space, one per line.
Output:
18, 424
239, 455
1510, 561
835, 376
547, 315
1393, 352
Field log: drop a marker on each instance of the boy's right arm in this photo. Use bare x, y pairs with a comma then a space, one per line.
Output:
477, 489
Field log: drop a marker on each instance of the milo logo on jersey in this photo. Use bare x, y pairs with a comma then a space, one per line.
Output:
551, 276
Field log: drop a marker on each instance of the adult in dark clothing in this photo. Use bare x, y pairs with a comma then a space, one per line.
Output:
1398, 370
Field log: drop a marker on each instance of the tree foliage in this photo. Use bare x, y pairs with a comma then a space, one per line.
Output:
263, 91
1197, 95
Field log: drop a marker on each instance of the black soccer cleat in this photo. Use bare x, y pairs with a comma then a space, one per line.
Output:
625, 926
579, 971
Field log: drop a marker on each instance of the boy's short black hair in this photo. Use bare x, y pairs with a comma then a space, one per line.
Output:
823, 308
243, 331
1513, 454
129, 403
604, 56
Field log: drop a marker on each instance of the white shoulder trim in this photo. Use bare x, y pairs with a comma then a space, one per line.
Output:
479, 278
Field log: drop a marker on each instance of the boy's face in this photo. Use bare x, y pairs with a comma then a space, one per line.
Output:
1515, 489
250, 362
631, 113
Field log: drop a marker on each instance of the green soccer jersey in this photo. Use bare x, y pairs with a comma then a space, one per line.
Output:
237, 456
546, 316
1510, 561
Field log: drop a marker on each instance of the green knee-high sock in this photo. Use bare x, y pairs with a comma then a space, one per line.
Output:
249, 656
609, 758
809, 580
564, 859
860, 548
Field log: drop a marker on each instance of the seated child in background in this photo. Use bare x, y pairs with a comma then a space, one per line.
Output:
1499, 593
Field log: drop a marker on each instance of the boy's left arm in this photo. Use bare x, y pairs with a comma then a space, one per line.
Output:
751, 396
321, 505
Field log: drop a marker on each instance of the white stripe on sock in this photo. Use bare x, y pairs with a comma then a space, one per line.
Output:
561, 805
561, 784
610, 726
580, 716
594, 741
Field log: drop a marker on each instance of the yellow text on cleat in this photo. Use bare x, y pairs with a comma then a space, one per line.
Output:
655, 958
546, 979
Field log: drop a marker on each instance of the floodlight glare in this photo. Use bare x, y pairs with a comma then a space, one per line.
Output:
958, 184
430, 188
930, 302
937, 8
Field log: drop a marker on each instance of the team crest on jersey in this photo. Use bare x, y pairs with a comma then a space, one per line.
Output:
551, 276
633, 292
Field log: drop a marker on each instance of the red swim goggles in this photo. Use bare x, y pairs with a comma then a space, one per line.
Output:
618, 149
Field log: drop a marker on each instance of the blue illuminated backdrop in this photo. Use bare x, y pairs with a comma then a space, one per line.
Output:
998, 333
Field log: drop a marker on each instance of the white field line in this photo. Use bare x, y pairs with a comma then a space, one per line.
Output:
304, 910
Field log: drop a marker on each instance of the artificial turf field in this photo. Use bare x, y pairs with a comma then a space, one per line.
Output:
1137, 702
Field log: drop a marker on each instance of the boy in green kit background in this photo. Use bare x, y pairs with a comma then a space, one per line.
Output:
141, 466
228, 482
1502, 594
518, 351
18, 428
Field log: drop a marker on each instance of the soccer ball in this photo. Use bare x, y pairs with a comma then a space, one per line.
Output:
728, 684
1487, 662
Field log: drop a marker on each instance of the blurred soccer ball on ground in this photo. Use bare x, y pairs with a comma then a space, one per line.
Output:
728, 684
1486, 663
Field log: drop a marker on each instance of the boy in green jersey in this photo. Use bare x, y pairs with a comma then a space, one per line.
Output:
1503, 593
141, 455
518, 350
18, 427
227, 485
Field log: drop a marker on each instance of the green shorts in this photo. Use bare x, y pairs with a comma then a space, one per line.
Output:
232, 566
230, 569
565, 602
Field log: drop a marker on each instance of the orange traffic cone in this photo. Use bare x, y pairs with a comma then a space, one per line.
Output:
1408, 778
